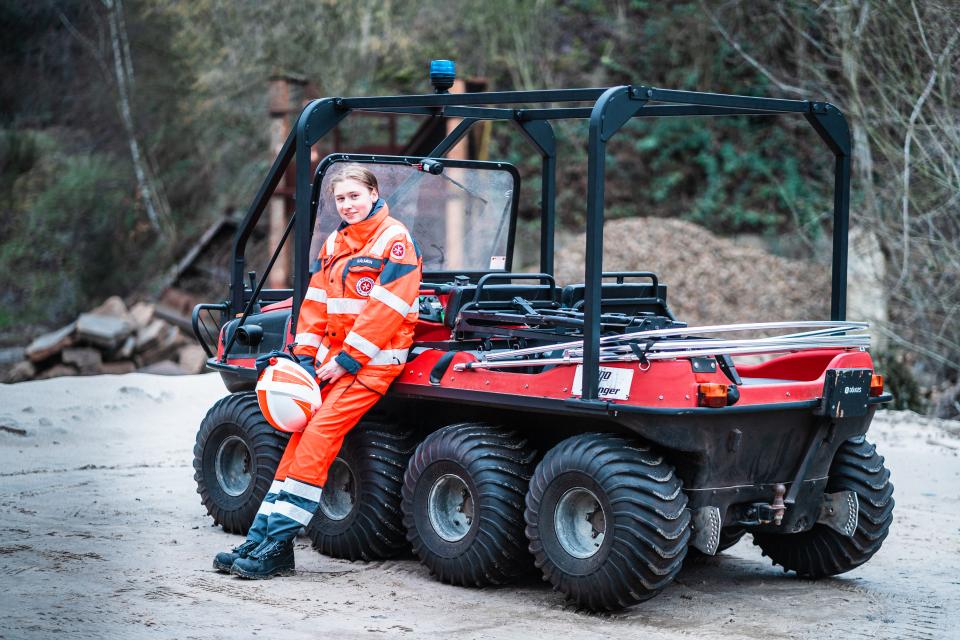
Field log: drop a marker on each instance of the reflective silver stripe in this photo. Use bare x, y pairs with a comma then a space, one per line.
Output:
346, 305
266, 508
316, 294
307, 340
302, 489
292, 511
389, 234
275, 486
322, 352
390, 356
392, 300
331, 243
360, 343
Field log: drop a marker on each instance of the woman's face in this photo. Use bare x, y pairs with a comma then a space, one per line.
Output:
354, 200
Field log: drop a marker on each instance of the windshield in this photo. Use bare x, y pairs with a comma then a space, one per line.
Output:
462, 218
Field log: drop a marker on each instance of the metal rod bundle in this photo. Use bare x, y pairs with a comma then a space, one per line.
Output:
830, 335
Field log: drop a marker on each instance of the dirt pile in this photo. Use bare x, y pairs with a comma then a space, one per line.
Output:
710, 279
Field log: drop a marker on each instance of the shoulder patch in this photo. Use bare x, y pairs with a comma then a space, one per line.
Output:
398, 250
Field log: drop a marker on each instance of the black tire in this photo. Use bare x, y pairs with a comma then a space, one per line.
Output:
493, 466
821, 551
235, 439
729, 536
359, 516
636, 491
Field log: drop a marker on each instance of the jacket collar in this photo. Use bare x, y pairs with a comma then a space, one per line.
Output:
377, 206
356, 235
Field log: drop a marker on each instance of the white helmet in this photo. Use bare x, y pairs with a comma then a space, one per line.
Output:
288, 395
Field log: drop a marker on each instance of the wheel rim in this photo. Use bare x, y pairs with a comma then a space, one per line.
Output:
450, 507
233, 466
339, 492
580, 522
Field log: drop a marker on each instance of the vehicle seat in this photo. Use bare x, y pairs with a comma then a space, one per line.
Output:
630, 298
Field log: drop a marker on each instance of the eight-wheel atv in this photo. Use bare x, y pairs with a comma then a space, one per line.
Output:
581, 429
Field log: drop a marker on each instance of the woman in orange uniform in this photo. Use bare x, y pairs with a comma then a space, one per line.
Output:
355, 327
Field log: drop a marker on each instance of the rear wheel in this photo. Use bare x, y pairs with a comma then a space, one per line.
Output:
607, 521
359, 517
822, 551
234, 459
463, 504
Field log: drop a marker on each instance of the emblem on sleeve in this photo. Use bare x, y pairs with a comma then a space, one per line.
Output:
398, 250
365, 286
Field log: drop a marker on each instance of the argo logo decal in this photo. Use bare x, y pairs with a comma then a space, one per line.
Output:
365, 286
398, 250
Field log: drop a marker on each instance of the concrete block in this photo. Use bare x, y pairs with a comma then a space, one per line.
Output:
149, 336
52, 343
115, 307
87, 360
107, 332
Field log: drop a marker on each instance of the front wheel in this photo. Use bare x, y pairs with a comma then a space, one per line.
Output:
821, 551
607, 521
234, 460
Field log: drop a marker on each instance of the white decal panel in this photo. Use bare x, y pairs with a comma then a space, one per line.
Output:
614, 383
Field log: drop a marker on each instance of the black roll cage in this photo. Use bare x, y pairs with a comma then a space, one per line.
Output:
611, 109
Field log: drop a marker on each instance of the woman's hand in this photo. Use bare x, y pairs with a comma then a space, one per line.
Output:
330, 372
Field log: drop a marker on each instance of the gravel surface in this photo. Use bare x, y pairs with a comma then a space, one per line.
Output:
102, 535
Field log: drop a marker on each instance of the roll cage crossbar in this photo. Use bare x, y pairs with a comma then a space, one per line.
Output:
611, 108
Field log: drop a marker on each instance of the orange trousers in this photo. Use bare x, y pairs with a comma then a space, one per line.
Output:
310, 452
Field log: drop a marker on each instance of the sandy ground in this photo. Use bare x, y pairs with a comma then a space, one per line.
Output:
102, 535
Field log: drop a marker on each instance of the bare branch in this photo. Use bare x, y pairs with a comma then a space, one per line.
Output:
783, 86
907, 143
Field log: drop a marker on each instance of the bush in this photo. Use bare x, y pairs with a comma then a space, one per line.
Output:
72, 234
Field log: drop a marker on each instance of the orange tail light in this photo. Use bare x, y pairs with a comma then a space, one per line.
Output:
876, 385
712, 394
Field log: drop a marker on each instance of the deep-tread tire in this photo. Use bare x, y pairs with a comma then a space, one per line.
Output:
641, 496
821, 551
495, 465
376, 458
236, 416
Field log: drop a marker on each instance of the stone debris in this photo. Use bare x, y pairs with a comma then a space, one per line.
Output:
107, 332
86, 359
141, 313
51, 343
110, 339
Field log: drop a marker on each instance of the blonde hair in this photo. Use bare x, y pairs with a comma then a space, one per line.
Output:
355, 172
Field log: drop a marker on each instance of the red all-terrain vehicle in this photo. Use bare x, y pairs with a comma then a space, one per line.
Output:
582, 429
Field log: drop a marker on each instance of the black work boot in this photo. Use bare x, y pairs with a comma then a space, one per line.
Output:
225, 559
271, 558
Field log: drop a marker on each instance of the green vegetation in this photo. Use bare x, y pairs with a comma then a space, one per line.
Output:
129, 125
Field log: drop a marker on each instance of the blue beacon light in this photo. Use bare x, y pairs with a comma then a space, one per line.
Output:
442, 74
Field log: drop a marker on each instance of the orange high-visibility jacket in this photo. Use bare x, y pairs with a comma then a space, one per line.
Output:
362, 304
